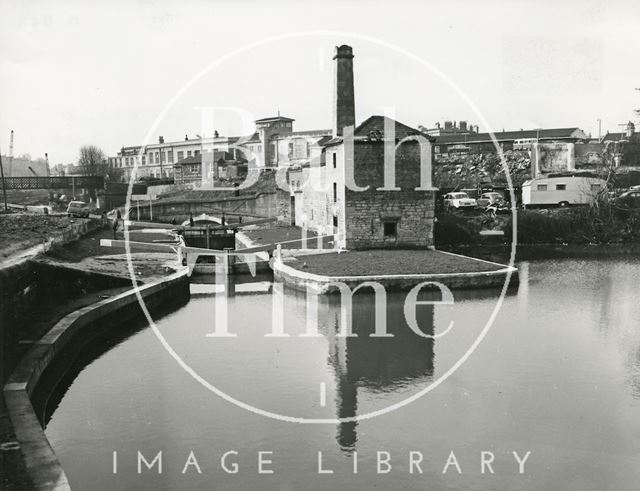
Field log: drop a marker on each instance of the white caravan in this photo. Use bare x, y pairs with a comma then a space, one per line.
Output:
561, 190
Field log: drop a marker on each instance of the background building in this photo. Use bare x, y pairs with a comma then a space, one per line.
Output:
507, 140
450, 128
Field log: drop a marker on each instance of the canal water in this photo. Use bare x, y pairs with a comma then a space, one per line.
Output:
557, 375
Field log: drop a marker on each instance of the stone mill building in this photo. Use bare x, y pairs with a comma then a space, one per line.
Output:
350, 191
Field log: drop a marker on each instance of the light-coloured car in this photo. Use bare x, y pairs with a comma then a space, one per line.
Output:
459, 200
78, 209
491, 198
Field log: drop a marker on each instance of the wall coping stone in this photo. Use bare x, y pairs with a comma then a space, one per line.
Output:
42, 464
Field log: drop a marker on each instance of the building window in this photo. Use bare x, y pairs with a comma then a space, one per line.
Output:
335, 192
437, 149
180, 156
197, 152
188, 153
170, 156
335, 161
542, 187
142, 159
561, 187
390, 229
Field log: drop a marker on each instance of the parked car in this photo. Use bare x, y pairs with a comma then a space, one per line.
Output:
629, 199
488, 199
459, 200
78, 209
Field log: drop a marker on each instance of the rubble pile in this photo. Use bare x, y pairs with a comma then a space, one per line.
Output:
471, 170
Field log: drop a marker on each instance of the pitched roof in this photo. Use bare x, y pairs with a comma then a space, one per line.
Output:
614, 137
372, 129
273, 118
194, 159
542, 134
323, 140
218, 155
377, 124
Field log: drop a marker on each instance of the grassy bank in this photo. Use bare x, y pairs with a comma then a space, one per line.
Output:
384, 262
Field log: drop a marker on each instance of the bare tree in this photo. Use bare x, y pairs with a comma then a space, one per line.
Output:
92, 161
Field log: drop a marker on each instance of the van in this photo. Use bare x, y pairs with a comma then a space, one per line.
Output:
561, 190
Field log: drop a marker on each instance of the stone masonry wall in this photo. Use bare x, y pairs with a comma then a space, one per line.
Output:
367, 211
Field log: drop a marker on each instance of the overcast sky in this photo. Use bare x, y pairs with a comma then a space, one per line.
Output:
74, 73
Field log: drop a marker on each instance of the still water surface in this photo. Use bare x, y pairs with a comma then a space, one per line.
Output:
558, 375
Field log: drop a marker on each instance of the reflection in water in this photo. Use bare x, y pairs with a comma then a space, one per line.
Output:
559, 375
378, 363
104, 336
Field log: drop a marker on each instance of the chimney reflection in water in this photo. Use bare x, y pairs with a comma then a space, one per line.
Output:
375, 364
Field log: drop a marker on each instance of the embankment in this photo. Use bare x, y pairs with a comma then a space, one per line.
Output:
60, 346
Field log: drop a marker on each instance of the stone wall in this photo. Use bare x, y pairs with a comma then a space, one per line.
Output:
359, 216
305, 281
366, 212
57, 351
264, 205
29, 284
25, 284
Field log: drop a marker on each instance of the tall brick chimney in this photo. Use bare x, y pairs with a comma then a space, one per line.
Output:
344, 109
